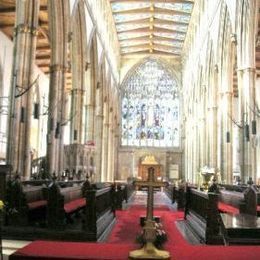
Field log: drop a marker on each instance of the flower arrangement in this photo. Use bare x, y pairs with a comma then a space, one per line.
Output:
161, 236
1, 205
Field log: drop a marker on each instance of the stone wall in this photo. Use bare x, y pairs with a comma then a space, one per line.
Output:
129, 160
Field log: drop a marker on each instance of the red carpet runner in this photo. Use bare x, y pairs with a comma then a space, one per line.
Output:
122, 240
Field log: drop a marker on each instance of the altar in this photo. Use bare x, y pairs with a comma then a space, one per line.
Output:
146, 163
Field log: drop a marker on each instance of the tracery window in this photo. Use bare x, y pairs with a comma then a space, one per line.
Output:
150, 107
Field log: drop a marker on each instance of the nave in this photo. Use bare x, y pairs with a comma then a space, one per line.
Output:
122, 239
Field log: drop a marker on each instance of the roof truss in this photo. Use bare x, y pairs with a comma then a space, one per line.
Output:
151, 26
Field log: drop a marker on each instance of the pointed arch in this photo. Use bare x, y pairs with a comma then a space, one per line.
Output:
150, 106
78, 51
167, 66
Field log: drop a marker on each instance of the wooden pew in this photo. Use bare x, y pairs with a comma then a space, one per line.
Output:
236, 199
179, 195
122, 192
239, 223
240, 229
258, 200
62, 202
230, 201
244, 198
93, 219
231, 187
99, 214
201, 214
251, 203
25, 204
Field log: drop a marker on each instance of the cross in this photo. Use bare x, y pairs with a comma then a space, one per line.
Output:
151, 183
149, 251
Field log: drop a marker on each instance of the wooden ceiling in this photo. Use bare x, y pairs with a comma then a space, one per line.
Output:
151, 26
144, 27
43, 51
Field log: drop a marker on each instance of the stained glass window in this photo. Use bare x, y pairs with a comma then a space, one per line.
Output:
150, 107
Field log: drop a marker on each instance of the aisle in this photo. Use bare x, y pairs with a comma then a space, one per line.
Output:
123, 236
160, 199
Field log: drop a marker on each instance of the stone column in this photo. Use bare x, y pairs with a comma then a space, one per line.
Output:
116, 150
203, 126
246, 74
190, 156
58, 12
73, 113
196, 141
110, 145
116, 144
105, 143
241, 136
98, 131
226, 137
98, 144
20, 112
202, 135
76, 115
186, 148
214, 154
78, 65
246, 59
228, 158
64, 118
249, 148
112, 173
90, 109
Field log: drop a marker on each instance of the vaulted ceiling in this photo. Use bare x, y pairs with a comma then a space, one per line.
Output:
151, 26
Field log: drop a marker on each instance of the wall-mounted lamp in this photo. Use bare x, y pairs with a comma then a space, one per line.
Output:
228, 137
75, 134
22, 118
57, 130
51, 124
36, 114
253, 127
247, 132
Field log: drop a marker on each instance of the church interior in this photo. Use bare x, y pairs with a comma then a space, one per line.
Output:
129, 129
